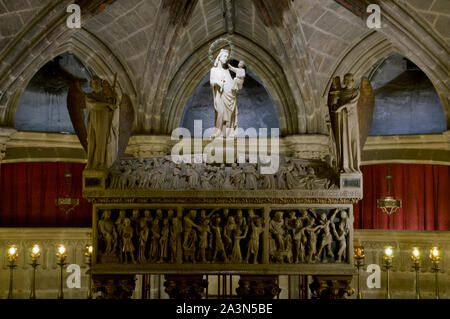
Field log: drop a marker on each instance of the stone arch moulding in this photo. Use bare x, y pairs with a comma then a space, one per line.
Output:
91, 52
258, 60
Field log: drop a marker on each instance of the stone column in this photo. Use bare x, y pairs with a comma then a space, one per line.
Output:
114, 286
258, 287
331, 287
185, 286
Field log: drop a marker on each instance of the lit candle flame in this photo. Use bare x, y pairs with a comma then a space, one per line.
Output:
416, 252
61, 249
388, 252
12, 251
35, 249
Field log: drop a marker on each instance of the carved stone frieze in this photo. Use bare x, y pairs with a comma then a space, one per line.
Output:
223, 235
163, 173
309, 236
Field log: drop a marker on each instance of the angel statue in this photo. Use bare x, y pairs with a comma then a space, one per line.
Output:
351, 114
224, 89
109, 123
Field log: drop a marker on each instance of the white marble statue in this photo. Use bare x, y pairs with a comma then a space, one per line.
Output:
347, 127
224, 89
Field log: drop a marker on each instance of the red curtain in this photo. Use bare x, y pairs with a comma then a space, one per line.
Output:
28, 193
423, 189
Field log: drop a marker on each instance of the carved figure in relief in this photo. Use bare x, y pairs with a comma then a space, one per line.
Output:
326, 237
236, 255
237, 176
228, 233
119, 225
277, 229
219, 248
251, 177
341, 236
175, 240
123, 179
155, 235
157, 175
311, 231
204, 243
135, 220
108, 233
164, 241
268, 181
143, 236
127, 241
176, 177
206, 178
256, 229
241, 223
300, 241
220, 176
190, 236
193, 177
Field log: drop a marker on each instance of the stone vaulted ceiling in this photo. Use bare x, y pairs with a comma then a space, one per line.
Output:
160, 59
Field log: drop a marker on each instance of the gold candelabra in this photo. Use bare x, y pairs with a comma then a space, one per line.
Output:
35, 253
387, 258
359, 263
435, 256
62, 255
415, 257
12, 255
88, 254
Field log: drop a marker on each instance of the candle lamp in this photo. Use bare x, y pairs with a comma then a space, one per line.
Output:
88, 254
35, 253
415, 257
387, 258
359, 263
62, 255
11, 255
435, 257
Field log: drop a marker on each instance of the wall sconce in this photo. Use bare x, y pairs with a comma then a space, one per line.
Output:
88, 254
415, 257
35, 253
359, 263
435, 256
12, 255
387, 258
67, 203
389, 204
62, 255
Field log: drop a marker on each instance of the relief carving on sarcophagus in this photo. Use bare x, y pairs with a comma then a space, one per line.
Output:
250, 238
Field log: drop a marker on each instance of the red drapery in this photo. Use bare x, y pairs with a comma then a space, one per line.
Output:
28, 193
423, 189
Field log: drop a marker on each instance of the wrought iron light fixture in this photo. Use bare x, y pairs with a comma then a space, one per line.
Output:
389, 204
67, 203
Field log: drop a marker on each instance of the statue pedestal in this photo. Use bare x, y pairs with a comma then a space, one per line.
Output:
351, 181
94, 180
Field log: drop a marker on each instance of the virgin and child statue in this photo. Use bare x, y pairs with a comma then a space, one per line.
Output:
224, 89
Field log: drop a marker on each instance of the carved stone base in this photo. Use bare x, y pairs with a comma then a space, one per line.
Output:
114, 286
185, 287
258, 287
331, 287
94, 179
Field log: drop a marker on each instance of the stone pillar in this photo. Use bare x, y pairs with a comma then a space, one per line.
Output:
331, 287
114, 286
185, 286
258, 287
